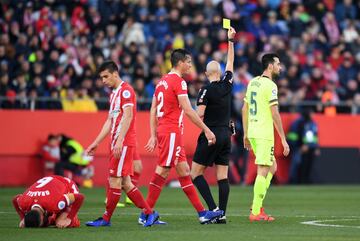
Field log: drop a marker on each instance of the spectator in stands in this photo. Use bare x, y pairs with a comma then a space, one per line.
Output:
54, 103
330, 98
63, 43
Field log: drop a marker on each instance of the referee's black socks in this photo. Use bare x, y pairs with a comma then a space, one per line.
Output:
205, 192
224, 189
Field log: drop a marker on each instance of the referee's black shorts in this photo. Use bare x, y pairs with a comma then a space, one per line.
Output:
218, 153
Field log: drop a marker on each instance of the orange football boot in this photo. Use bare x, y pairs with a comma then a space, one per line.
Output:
262, 216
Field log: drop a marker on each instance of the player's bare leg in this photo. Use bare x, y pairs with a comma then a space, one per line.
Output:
138, 167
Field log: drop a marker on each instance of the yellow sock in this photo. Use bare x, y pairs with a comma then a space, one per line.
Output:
259, 193
268, 182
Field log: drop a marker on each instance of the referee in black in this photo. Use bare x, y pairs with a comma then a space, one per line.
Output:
214, 106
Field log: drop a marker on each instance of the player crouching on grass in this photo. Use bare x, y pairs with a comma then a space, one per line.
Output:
52, 200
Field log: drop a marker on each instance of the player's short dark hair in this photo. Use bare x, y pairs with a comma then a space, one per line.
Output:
109, 66
179, 55
32, 219
268, 59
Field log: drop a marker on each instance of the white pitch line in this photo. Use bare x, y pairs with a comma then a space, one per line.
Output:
194, 214
321, 223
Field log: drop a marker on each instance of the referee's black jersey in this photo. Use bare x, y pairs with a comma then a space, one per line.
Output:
217, 98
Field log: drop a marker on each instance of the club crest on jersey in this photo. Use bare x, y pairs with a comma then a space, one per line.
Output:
126, 94
61, 205
183, 85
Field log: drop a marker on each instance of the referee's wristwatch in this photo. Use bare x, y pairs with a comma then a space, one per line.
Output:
231, 40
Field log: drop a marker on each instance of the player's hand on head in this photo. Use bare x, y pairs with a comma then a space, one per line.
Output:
247, 144
210, 136
231, 33
150, 146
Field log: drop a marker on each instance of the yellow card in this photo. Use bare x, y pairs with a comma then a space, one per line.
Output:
226, 23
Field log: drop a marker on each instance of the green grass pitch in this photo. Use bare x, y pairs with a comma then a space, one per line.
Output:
332, 213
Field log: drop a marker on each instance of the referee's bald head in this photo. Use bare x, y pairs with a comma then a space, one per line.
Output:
213, 67
213, 71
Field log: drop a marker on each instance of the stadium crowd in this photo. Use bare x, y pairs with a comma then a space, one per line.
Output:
50, 49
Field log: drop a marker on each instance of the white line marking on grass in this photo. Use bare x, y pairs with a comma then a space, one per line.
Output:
321, 223
131, 213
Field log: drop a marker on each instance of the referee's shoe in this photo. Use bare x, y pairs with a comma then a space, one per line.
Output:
221, 219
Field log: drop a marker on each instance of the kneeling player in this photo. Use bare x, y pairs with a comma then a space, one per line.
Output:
52, 200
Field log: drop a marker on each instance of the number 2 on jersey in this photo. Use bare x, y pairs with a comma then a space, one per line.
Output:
160, 99
253, 108
43, 181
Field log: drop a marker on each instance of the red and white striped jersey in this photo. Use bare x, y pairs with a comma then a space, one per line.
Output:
121, 97
169, 113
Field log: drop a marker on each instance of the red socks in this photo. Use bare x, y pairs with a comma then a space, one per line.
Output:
190, 191
113, 197
135, 178
156, 184
138, 199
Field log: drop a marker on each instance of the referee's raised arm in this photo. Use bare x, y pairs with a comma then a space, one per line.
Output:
230, 56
